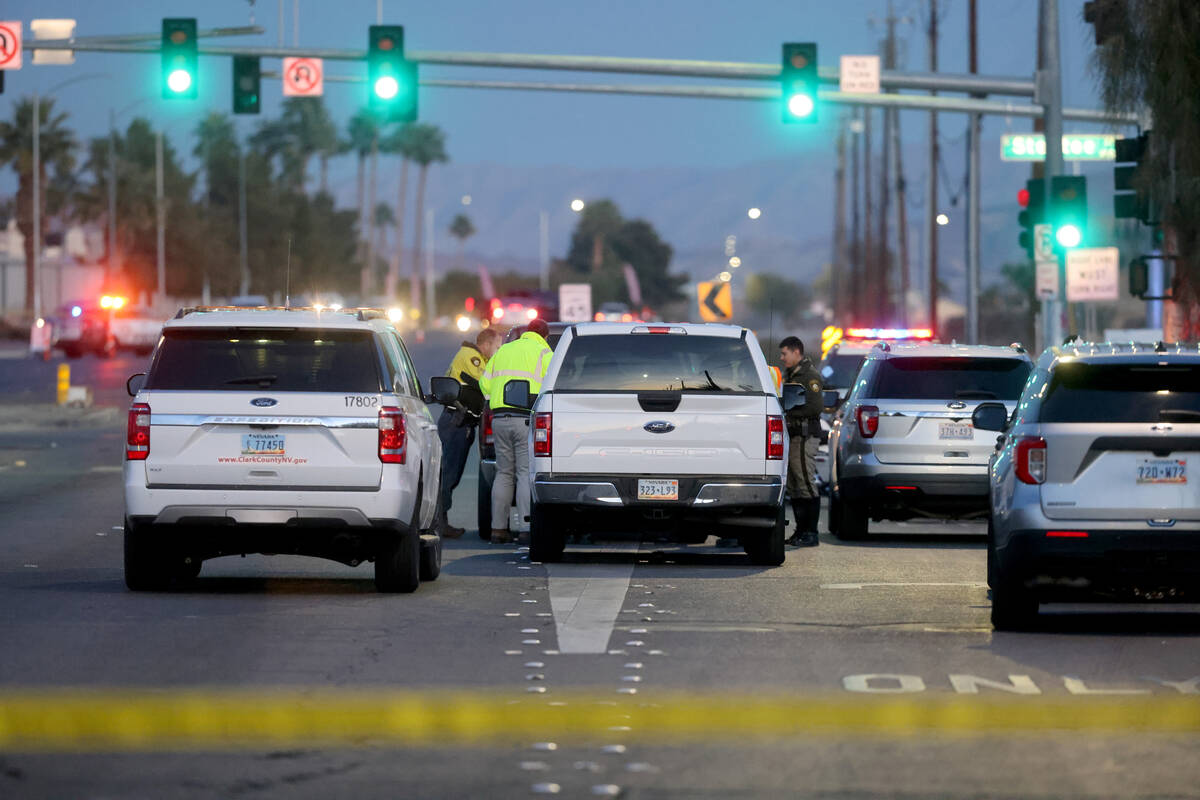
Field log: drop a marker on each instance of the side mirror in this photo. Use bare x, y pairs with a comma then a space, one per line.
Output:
444, 389
990, 417
830, 398
793, 396
516, 394
135, 383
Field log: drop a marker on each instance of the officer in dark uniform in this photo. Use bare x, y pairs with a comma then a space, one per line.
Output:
804, 430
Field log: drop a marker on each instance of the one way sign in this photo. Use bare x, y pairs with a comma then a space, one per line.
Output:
716, 302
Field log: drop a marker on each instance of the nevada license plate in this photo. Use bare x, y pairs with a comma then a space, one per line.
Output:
1162, 470
262, 444
956, 430
655, 489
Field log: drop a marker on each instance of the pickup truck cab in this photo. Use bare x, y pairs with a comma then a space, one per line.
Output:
671, 430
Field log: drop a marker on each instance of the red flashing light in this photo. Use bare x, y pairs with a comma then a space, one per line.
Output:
469, 304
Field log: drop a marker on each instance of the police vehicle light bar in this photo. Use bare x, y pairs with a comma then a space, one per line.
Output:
889, 333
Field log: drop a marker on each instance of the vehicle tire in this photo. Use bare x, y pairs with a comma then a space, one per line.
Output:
483, 500
146, 566
1014, 608
766, 549
398, 562
431, 557
853, 522
547, 539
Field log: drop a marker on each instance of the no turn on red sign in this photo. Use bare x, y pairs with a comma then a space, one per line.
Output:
303, 77
10, 45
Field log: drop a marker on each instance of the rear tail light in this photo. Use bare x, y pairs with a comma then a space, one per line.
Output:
1031, 459
774, 437
868, 420
489, 438
542, 442
137, 439
392, 438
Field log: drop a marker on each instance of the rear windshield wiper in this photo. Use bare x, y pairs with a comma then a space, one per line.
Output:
976, 394
1178, 415
260, 379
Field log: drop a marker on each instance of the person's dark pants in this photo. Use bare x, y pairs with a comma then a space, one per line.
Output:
456, 446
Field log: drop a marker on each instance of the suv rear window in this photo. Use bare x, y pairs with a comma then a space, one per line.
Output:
658, 362
845, 367
954, 377
279, 359
1123, 393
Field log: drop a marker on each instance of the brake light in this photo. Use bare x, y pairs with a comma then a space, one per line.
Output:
1066, 534
774, 437
868, 420
489, 438
137, 439
1030, 459
541, 434
392, 438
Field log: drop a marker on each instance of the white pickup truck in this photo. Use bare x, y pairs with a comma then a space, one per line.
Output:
644, 429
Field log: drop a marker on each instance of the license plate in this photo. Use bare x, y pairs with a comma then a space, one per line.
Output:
1162, 470
653, 489
956, 430
262, 444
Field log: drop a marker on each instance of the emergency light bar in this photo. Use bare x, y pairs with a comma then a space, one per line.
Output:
889, 333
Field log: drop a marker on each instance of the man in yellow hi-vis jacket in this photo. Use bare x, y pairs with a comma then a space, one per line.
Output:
526, 358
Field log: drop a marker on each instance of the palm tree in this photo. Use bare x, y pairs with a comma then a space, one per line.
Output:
428, 146
462, 229
399, 143
57, 145
362, 135
384, 219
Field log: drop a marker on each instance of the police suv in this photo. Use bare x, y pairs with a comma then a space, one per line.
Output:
281, 431
672, 430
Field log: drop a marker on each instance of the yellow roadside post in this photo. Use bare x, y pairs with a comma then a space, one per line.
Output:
64, 383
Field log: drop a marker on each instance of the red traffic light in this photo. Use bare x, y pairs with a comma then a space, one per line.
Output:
1023, 198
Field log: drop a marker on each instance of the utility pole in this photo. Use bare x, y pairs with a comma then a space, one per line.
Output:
853, 302
973, 174
37, 208
883, 306
931, 186
160, 207
838, 268
430, 299
243, 249
1050, 84
870, 283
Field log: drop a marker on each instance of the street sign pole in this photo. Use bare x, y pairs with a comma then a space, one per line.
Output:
1051, 98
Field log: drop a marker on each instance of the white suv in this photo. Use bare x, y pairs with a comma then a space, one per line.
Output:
673, 430
281, 431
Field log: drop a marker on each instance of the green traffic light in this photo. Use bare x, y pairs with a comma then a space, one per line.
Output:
1068, 236
387, 87
179, 81
800, 105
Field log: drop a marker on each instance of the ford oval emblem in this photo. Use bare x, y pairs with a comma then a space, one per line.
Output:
659, 426
264, 402
957, 404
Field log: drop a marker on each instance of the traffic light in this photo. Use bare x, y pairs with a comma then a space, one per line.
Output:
247, 81
1129, 202
179, 58
1068, 210
798, 79
391, 80
1032, 200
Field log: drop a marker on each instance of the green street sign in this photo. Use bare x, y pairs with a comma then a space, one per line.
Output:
1075, 147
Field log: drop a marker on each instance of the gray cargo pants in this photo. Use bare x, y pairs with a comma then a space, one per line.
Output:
511, 436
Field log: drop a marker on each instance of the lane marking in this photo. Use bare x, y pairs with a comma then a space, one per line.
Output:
167, 719
971, 584
586, 599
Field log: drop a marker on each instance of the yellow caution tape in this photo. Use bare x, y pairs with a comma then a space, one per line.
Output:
112, 720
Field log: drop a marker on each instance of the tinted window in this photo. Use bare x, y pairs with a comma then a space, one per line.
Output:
845, 367
1122, 393
955, 377
242, 359
658, 362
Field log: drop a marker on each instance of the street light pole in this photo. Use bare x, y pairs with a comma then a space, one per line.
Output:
161, 214
1051, 97
37, 205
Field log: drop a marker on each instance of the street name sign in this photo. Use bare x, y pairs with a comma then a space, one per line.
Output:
1093, 274
859, 75
1075, 147
303, 77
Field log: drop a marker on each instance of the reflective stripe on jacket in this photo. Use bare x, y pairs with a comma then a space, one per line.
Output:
526, 358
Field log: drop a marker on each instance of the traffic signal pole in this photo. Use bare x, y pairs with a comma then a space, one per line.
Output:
1050, 97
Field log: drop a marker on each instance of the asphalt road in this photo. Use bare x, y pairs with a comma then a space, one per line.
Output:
629, 630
